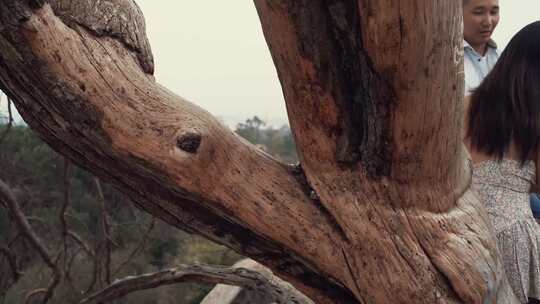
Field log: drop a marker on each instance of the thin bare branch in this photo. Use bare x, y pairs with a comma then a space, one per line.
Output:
138, 248
264, 282
34, 293
15, 239
63, 211
69, 264
9, 200
79, 222
12, 261
74, 236
95, 270
57, 277
106, 223
36, 219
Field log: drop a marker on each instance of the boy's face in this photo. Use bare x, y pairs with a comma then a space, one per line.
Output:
480, 17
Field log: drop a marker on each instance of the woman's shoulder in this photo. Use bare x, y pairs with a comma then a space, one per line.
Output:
466, 103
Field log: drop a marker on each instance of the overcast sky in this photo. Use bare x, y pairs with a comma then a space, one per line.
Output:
214, 54
515, 14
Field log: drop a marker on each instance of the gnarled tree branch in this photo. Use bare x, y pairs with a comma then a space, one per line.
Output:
391, 218
264, 282
221, 188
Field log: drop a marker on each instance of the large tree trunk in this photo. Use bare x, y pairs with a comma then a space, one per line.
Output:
380, 209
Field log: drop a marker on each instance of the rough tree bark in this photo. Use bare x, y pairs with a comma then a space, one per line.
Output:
380, 209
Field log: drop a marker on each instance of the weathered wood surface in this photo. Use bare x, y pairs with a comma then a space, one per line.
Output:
255, 293
261, 280
373, 92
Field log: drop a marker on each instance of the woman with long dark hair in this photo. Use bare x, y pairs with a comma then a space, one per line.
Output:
502, 136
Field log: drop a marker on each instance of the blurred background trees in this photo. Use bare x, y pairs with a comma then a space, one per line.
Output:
277, 142
105, 237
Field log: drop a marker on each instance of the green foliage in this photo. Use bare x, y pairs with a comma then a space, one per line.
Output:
252, 130
277, 142
161, 249
35, 174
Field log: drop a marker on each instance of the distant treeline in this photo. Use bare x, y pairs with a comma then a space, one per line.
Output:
277, 142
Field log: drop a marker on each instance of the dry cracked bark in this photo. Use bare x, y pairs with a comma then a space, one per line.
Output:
373, 91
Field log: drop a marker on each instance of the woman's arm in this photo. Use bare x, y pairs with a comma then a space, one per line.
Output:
535, 187
466, 103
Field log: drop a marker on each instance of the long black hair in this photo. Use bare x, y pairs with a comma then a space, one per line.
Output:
505, 108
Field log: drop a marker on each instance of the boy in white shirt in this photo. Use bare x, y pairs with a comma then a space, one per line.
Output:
480, 18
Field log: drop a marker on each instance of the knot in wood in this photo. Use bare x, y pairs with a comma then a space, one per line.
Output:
189, 142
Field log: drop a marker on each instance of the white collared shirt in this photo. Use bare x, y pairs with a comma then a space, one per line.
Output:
477, 66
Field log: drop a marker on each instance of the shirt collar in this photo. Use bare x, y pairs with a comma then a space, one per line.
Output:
491, 43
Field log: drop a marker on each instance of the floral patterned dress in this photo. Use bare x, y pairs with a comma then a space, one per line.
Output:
503, 186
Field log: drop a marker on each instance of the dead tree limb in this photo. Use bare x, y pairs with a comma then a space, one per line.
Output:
277, 290
138, 248
106, 227
374, 95
11, 258
63, 211
7, 197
